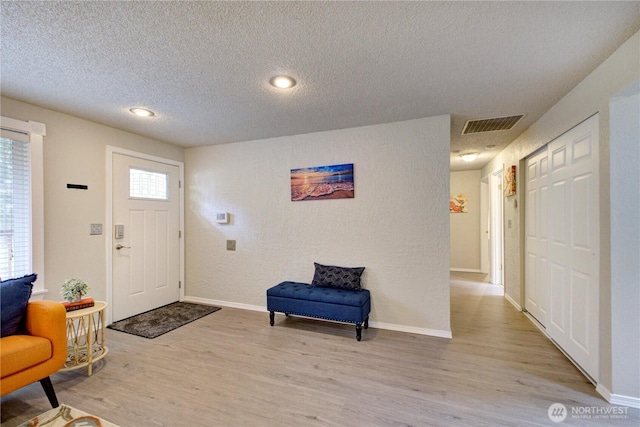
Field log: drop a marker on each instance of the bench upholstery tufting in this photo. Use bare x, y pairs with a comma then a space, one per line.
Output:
342, 305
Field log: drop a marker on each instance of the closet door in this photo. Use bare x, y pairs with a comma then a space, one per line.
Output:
537, 236
574, 244
562, 242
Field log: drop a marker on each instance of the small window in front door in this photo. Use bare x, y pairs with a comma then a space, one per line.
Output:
144, 184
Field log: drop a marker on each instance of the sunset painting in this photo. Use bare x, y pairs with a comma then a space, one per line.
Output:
322, 182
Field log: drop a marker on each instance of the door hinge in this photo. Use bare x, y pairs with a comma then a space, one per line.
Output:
179, 184
179, 234
179, 284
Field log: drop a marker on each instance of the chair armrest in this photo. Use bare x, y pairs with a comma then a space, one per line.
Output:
47, 319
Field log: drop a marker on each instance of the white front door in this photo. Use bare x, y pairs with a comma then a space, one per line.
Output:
145, 235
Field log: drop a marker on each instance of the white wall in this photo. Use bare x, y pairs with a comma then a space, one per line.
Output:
397, 226
590, 96
74, 152
625, 242
465, 227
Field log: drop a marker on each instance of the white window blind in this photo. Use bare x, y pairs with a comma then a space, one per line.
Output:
15, 206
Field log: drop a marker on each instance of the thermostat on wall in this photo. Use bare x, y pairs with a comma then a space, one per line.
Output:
222, 218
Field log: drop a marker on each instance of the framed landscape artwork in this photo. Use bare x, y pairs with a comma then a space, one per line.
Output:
322, 182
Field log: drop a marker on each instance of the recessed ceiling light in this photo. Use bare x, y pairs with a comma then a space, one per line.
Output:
282, 82
491, 147
142, 112
469, 157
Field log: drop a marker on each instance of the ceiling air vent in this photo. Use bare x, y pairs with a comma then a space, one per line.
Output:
490, 125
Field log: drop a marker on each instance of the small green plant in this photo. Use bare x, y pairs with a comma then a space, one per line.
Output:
74, 289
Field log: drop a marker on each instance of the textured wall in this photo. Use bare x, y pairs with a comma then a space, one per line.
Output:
625, 241
591, 96
397, 226
465, 227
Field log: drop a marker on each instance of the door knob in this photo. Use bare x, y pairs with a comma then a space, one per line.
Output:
119, 246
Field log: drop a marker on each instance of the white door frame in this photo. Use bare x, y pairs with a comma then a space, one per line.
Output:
485, 218
497, 227
111, 150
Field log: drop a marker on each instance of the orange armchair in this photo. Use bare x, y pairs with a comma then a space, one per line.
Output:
25, 359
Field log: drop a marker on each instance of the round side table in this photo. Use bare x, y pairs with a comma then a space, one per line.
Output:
86, 338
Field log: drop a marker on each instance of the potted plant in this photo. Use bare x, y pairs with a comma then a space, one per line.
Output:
74, 289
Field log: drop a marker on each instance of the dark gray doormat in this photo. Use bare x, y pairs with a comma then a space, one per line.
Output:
162, 320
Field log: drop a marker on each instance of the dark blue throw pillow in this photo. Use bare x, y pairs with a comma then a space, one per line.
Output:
14, 296
329, 276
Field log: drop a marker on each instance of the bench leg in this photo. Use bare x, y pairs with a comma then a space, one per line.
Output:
366, 323
272, 316
359, 331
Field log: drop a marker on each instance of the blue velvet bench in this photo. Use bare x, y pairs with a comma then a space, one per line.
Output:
341, 305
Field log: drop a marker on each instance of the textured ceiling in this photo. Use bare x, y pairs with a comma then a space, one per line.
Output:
204, 67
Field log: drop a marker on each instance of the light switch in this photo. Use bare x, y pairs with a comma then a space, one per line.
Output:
96, 229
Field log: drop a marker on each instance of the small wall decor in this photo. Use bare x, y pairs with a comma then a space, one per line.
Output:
322, 182
458, 204
509, 181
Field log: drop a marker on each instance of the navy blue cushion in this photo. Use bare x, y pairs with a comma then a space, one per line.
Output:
326, 303
330, 276
14, 296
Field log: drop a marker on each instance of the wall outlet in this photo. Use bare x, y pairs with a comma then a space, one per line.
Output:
96, 229
231, 245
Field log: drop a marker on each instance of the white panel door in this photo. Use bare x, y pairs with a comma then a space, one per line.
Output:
562, 242
574, 244
146, 256
537, 236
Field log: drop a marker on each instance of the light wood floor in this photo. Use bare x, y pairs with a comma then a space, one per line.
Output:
232, 369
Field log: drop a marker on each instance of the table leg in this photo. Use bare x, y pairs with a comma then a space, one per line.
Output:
89, 337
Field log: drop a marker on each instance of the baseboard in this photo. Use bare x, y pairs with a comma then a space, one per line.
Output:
412, 329
465, 270
378, 325
618, 399
631, 402
513, 302
220, 303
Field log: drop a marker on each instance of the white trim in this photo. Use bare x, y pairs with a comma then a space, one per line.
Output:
38, 295
412, 330
378, 325
618, 399
513, 302
496, 227
465, 270
207, 301
111, 150
632, 402
36, 132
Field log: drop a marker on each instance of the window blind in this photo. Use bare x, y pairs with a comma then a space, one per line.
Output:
15, 207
